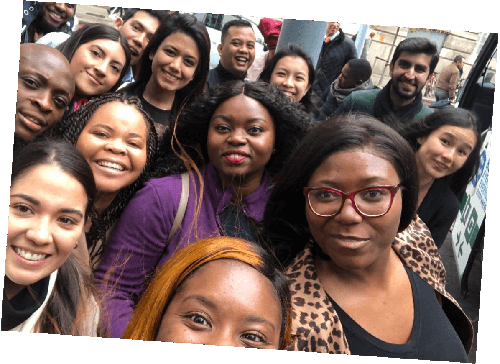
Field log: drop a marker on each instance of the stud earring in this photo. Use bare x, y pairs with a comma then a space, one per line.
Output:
76, 245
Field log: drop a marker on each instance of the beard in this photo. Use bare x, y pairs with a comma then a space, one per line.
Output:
43, 26
402, 94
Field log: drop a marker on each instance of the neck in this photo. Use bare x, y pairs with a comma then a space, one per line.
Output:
10, 288
397, 101
238, 76
103, 200
157, 96
377, 274
242, 186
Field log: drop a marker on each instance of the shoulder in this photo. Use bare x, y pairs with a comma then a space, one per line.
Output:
424, 111
53, 39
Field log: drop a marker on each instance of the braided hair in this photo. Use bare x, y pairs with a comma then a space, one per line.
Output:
70, 129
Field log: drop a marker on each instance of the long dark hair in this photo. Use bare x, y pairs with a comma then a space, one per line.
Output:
91, 32
191, 128
285, 227
189, 25
70, 129
293, 50
451, 116
71, 308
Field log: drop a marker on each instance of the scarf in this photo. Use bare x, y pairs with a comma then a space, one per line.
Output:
341, 93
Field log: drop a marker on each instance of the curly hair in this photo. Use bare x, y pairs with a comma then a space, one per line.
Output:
293, 50
190, 129
70, 129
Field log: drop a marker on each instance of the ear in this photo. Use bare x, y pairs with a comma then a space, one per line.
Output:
421, 140
219, 49
152, 55
391, 67
118, 23
307, 89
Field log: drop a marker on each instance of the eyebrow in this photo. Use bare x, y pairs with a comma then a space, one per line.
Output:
366, 180
37, 203
230, 119
103, 51
452, 136
107, 127
260, 320
206, 301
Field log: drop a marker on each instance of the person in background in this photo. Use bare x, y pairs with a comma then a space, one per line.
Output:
173, 69
40, 18
447, 82
270, 29
400, 100
292, 71
342, 220
232, 290
45, 288
99, 58
355, 76
336, 51
447, 144
367, 45
45, 89
236, 51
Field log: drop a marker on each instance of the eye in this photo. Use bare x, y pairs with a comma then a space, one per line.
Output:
135, 144
251, 46
374, 195
255, 338
169, 52
445, 141
95, 53
222, 128
30, 83
463, 153
198, 320
190, 63
99, 134
324, 195
22, 209
255, 130
61, 102
67, 221
116, 69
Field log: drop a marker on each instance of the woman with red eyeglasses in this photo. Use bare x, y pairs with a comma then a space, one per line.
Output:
365, 275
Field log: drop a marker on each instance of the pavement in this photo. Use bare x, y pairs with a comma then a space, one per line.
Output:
93, 14
470, 304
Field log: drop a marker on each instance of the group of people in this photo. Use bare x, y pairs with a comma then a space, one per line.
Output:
191, 205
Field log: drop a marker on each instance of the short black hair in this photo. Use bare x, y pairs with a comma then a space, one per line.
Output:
234, 23
417, 45
458, 58
158, 14
361, 69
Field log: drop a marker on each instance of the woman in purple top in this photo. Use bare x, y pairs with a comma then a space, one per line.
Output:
235, 139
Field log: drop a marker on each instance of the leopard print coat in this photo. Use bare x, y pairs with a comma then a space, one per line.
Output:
316, 327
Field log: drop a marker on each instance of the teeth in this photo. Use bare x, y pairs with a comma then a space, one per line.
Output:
236, 155
29, 256
57, 16
110, 165
241, 59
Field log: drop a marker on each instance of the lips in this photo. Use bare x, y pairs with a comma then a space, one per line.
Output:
94, 79
350, 242
441, 165
235, 156
241, 61
170, 77
33, 123
30, 256
112, 166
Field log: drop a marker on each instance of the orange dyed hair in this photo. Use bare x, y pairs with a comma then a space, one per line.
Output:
148, 314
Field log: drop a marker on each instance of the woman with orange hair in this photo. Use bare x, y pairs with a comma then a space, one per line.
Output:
218, 291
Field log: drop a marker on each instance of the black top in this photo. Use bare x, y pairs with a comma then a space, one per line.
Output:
237, 224
219, 75
18, 309
439, 209
161, 118
432, 337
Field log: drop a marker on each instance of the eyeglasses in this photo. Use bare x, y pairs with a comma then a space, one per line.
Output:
368, 202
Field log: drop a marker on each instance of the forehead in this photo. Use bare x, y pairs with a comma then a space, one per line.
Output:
52, 65
146, 19
293, 62
125, 118
112, 48
242, 107
245, 33
415, 58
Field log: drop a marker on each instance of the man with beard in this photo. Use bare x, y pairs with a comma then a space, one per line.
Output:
401, 99
42, 18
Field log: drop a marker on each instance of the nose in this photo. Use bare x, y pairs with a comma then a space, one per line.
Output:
287, 81
237, 137
448, 154
60, 6
139, 41
224, 338
43, 101
347, 213
39, 232
115, 146
100, 68
176, 63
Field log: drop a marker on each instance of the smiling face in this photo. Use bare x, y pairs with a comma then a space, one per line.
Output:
332, 28
175, 62
46, 218
114, 144
45, 88
240, 140
137, 31
56, 14
237, 51
224, 303
97, 66
349, 239
291, 76
444, 151
409, 74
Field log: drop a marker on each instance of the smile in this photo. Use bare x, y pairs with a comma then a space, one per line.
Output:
350, 242
111, 165
441, 165
241, 60
30, 256
235, 156
32, 123
56, 16
94, 79
170, 77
